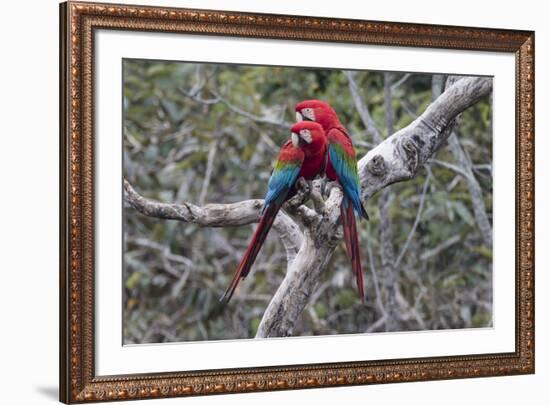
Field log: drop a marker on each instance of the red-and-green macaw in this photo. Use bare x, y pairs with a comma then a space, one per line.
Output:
304, 155
341, 167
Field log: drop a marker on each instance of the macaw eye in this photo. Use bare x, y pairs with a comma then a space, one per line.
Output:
305, 134
308, 114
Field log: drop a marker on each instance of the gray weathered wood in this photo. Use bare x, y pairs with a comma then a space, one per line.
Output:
399, 157
218, 215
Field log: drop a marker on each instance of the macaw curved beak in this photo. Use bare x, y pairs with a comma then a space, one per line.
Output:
299, 116
295, 139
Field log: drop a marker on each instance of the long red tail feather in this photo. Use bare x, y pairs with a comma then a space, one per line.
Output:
352, 245
356, 260
346, 227
253, 249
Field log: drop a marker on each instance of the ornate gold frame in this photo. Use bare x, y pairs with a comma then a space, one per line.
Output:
78, 381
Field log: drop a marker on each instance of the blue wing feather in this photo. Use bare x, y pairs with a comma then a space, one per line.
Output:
280, 183
347, 177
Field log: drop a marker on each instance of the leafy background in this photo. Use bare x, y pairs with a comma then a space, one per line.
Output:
208, 133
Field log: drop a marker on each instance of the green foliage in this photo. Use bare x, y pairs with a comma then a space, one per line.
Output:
174, 273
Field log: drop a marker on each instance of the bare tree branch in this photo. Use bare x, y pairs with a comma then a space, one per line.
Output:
399, 82
400, 156
361, 107
415, 224
389, 270
375, 281
209, 170
388, 109
450, 166
290, 235
217, 215
478, 203
428, 254
303, 273
438, 85
195, 91
256, 118
385, 226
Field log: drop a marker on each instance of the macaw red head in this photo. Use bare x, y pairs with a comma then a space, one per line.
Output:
308, 134
318, 111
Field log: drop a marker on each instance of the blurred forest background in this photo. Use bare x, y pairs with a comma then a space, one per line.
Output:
209, 133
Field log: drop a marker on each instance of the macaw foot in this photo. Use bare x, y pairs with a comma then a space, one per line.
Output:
303, 192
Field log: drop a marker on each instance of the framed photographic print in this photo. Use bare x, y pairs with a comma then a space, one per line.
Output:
256, 202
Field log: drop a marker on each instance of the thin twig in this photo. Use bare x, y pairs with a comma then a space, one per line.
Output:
372, 269
450, 166
399, 82
209, 170
249, 115
416, 222
428, 254
381, 321
362, 108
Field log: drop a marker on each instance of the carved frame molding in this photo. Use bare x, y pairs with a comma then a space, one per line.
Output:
78, 22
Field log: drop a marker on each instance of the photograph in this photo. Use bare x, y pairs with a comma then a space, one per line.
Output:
281, 201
